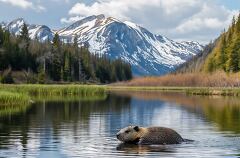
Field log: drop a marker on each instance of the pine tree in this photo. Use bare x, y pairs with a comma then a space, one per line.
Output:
210, 65
66, 69
25, 42
1, 36
24, 33
233, 58
238, 24
77, 53
56, 70
223, 57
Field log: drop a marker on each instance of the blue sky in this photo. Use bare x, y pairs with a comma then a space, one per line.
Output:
199, 20
231, 4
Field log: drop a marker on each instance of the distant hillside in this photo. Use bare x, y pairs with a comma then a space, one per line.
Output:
196, 63
226, 54
223, 54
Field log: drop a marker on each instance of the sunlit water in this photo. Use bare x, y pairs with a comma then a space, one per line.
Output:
59, 129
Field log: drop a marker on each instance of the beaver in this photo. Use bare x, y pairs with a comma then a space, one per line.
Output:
150, 135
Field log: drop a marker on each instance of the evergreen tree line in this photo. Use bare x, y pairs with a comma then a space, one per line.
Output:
56, 61
226, 54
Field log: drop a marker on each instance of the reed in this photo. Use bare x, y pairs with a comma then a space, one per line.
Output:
23, 94
55, 90
13, 98
223, 91
216, 79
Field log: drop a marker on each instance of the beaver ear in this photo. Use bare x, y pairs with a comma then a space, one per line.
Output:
136, 128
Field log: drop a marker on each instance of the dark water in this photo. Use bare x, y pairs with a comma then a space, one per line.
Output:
74, 128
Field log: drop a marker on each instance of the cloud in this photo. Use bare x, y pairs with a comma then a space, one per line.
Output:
71, 19
24, 4
65, 1
200, 20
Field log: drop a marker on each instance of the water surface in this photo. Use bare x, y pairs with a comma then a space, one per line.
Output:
87, 128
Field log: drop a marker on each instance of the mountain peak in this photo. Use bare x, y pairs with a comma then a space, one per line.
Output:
100, 16
149, 54
89, 18
18, 21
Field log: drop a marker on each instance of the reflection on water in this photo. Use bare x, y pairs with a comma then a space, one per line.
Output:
224, 111
11, 110
86, 128
143, 149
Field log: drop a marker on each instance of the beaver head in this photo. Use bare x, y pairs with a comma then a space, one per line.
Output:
130, 134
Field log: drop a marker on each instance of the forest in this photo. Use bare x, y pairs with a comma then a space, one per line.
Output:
55, 61
226, 54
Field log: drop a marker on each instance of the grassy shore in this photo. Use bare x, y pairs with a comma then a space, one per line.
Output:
20, 94
23, 94
55, 90
13, 98
187, 90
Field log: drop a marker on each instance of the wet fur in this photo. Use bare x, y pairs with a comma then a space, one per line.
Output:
151, 135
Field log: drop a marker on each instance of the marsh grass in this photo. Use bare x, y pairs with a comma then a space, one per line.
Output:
217, 83
23, 94
223, 91
13, 98
216, 79
55, 90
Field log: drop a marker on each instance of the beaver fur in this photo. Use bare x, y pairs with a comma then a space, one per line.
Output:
150, 135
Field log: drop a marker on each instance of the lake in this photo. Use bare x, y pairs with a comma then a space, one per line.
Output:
72, 127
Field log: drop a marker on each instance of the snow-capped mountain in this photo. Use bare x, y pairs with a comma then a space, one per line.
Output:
40, 32
148, 54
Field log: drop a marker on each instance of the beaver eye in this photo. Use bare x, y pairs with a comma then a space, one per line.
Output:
127, 131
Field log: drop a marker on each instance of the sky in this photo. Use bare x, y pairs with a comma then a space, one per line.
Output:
181, 20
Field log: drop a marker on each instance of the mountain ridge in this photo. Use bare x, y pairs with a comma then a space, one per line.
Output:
149, 54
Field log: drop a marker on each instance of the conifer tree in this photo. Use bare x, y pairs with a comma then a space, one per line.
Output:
77, 53
223, 57
238, 24
24, 34
66, 69
56, 71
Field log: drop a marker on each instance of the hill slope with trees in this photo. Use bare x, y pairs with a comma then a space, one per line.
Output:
221, 55
226, 54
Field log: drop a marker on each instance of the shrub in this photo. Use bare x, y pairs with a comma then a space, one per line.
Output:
7, 77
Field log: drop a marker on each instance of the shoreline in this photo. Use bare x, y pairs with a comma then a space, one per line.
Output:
204, 91
85, 90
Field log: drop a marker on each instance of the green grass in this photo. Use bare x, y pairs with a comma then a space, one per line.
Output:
22, 94
188, 90
55, 90
13, 98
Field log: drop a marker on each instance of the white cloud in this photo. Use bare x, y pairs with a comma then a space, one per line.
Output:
71, 19
200, 20
24, 4
66, 1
